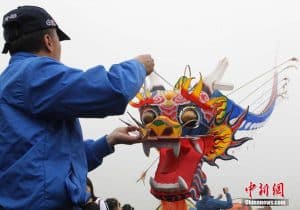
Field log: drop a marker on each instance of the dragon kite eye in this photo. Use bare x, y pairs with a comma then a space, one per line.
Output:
148, 116
189, 117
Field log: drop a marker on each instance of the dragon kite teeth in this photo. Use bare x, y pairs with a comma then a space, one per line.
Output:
197, 147
180, 185
167, 142
174, 144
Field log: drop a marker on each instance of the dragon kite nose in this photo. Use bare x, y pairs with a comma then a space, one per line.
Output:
164, 127
166, 131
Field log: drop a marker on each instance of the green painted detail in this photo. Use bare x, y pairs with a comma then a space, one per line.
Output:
158, 123
180, 81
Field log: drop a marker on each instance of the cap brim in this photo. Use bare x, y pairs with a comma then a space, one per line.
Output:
5, 48
61, 35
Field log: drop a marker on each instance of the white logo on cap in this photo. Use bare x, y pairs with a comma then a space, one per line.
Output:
50, 22
11, 16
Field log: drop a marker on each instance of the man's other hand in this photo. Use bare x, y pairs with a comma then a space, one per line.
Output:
147, 61
122, 136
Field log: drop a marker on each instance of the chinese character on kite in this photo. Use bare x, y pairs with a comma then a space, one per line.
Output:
191, 124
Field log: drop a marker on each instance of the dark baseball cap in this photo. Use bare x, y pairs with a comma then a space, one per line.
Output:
25, 20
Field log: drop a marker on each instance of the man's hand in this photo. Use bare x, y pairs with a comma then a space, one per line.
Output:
147, 61
121, 136
225, 190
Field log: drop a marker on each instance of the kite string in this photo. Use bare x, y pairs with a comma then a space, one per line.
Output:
255, 90
262, 98
164, 79
143, 175
263, 74
263, 84
188, 68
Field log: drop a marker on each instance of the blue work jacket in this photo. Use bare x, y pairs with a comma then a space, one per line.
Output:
210, 203
43, 158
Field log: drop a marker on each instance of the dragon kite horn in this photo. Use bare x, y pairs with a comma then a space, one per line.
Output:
213, 81
193, 94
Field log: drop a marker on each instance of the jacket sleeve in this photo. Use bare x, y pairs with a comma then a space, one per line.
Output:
47, 87
95, 152
216, 203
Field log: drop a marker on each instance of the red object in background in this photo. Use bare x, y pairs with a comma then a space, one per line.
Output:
238, 206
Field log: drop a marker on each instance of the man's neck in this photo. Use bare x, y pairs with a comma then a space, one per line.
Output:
44, 53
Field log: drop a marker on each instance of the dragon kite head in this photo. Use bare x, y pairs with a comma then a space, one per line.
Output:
190, 125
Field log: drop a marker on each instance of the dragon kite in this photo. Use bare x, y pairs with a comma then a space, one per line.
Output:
192, 124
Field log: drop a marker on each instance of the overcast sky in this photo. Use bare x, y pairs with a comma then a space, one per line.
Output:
254, 35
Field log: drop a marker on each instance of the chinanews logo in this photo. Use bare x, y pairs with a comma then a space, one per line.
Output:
265, 202
264, 190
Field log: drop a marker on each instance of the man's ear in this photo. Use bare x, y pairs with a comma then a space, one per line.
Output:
48, 43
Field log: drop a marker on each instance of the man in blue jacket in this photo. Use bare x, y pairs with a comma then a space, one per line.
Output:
208, 202
43, 158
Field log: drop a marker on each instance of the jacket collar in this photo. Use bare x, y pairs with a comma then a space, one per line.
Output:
20, 56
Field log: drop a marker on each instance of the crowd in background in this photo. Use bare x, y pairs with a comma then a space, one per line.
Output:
97, 203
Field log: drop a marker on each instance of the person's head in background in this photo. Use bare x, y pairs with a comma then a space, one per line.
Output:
90, 189
113, 204
127, 207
